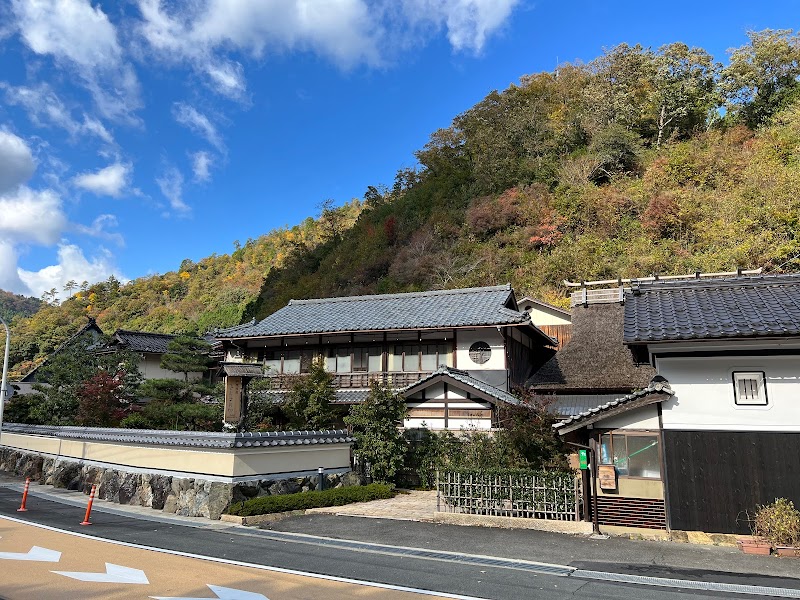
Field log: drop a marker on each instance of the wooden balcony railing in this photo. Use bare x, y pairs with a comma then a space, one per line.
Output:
355, 380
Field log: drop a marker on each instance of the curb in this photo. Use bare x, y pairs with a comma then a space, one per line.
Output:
258, 519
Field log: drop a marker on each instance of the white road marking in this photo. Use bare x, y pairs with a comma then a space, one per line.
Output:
237, 563
36, 553
113, 574
222, 593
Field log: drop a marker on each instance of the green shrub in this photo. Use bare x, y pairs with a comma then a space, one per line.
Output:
778, 523
303, 500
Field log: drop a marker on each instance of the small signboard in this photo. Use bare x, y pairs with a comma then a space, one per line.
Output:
583, 459
607, 476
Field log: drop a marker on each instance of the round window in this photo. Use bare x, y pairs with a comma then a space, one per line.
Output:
480, 352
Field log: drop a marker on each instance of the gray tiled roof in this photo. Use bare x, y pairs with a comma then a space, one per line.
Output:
343, 396
185, 438
242, 370
142, 341
660, 386
417, 310
741, 307
469, 381
569, 405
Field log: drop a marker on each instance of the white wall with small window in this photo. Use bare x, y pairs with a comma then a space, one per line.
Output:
735, 393
481, 349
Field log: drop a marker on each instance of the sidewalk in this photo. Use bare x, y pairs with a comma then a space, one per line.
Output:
406, 506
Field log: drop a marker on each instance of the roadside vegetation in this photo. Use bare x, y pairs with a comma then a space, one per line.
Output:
312, 499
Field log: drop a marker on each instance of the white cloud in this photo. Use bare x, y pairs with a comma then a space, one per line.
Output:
16, 161
31, 216
190, 117
100, 229
171, 185
199, 33
68, 29
9, 276
72, 266
227, 77
81, 37
201, 165
45, 108
468, 22
109, 181
346, 32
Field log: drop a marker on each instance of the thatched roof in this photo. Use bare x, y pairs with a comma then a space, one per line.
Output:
595, 359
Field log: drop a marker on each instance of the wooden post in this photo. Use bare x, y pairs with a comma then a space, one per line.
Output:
233, 400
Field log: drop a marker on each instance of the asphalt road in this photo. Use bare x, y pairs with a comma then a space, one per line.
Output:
453, 574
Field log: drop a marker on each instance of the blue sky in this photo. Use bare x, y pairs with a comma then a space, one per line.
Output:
134, 134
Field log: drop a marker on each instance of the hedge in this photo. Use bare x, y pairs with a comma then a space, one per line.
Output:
303, 500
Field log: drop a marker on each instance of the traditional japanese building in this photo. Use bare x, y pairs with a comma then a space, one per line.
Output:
454, 354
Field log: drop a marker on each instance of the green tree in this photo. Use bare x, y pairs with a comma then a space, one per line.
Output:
310, 402
186, 354
617, 150
684, 89
762, 76
527, 430
619, 87
62, 379
375, 424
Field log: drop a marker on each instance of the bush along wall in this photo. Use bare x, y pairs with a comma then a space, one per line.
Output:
314, 499
189, 497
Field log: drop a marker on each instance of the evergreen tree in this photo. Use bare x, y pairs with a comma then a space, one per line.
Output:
186, 354
375, 425
310, 402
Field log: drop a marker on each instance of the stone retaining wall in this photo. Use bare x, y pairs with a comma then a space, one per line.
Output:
190, 497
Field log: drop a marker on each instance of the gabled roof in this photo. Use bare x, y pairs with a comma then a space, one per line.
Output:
737, 307
142, 341
595, 359
545, 305
658, 391
417, 310
91, 325
475, 386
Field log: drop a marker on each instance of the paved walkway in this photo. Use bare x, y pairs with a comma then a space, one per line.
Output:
406, 506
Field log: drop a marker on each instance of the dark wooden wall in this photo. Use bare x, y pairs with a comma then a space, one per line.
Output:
715, 477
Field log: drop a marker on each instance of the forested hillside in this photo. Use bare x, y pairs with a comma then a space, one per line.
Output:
640, 161
12, 305
196, 297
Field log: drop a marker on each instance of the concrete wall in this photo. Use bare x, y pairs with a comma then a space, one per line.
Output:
188, 473
704, 393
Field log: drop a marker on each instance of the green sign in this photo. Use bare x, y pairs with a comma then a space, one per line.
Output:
583, 459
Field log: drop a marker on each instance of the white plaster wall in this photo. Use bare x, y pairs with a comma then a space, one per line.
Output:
645, 417
704, 395
150, 369
543, 316
490, 335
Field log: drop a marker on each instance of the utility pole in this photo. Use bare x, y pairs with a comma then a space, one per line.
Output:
5, 373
